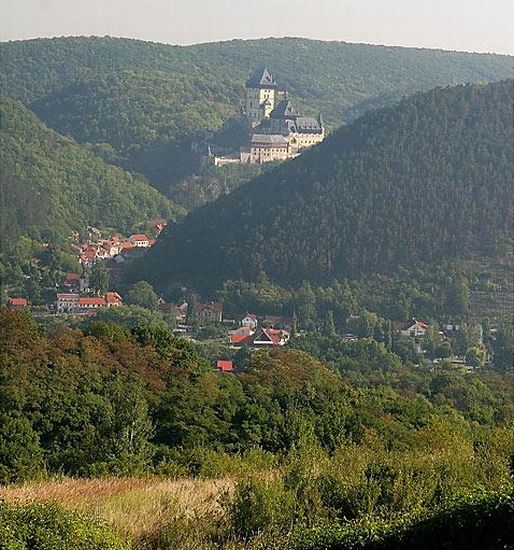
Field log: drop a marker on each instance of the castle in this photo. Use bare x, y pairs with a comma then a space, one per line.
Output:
278, 130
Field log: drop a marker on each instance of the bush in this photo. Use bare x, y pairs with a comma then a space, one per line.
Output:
261, 505
476, 522
49, 527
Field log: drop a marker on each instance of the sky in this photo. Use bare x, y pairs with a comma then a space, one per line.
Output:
467, 25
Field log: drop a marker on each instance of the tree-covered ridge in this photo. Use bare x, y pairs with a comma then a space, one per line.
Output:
339, 78
428, 179
139, 103
133, 109
50, 185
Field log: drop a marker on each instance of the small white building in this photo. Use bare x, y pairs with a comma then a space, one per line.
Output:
250, 321
414, 329
139, 240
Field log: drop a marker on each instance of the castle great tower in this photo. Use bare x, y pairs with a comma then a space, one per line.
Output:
261, 90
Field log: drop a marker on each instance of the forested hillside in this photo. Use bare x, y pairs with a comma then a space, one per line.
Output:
426, 180
50, 185
139, 103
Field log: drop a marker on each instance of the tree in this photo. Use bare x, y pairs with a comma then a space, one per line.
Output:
330, 327
142, 294
99, 279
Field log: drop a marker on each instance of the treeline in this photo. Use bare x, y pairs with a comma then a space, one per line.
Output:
342, 79
107, 399
427, 180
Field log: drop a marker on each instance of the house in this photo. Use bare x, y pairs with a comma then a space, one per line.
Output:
278, 321
17, 303
139, 240
88, 258
66, 302
209, 312
413, 329
93, 302
74, 283
181, 311
113, 299
74, 302
225, 366
262, 338
249, 320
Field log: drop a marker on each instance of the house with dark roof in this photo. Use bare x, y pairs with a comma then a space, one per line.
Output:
209, 312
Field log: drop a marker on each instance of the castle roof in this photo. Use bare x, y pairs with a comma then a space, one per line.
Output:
308, 125
285, 109
261, 78
268, 140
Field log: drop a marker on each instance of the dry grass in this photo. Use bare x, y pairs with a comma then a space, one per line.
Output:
134, 507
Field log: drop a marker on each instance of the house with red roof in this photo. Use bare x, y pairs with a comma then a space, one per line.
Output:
113, 299
262, 338
17, 303
75, 303
74, 282
225, 366
139, 240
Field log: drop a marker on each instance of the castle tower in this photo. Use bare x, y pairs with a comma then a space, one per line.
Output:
261, 91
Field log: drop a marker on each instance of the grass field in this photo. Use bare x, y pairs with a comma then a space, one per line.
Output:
140, 510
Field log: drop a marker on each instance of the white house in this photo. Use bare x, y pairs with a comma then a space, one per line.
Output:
413, 329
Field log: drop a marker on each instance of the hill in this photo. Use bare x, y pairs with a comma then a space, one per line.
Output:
50, 185
426, 180
140, 103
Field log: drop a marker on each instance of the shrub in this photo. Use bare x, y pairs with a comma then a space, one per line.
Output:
261, 505
49, 527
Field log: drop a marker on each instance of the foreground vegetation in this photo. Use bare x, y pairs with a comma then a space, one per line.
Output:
285, 453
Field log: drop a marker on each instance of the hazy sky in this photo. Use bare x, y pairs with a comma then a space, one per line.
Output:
473, 25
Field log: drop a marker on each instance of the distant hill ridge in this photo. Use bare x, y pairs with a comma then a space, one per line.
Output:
139, 103
426, 180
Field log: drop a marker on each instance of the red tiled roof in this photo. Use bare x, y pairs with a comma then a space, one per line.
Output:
18, 302
72, 277
151, 242
138, 237
113, 298
225, 366
238, 338
93, 301
126, 244
273, 336
88, 255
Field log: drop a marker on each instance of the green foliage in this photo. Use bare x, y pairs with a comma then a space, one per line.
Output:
346, 208
48, 527
143, 295
136, 104
99, 279
54, 186
476, 521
